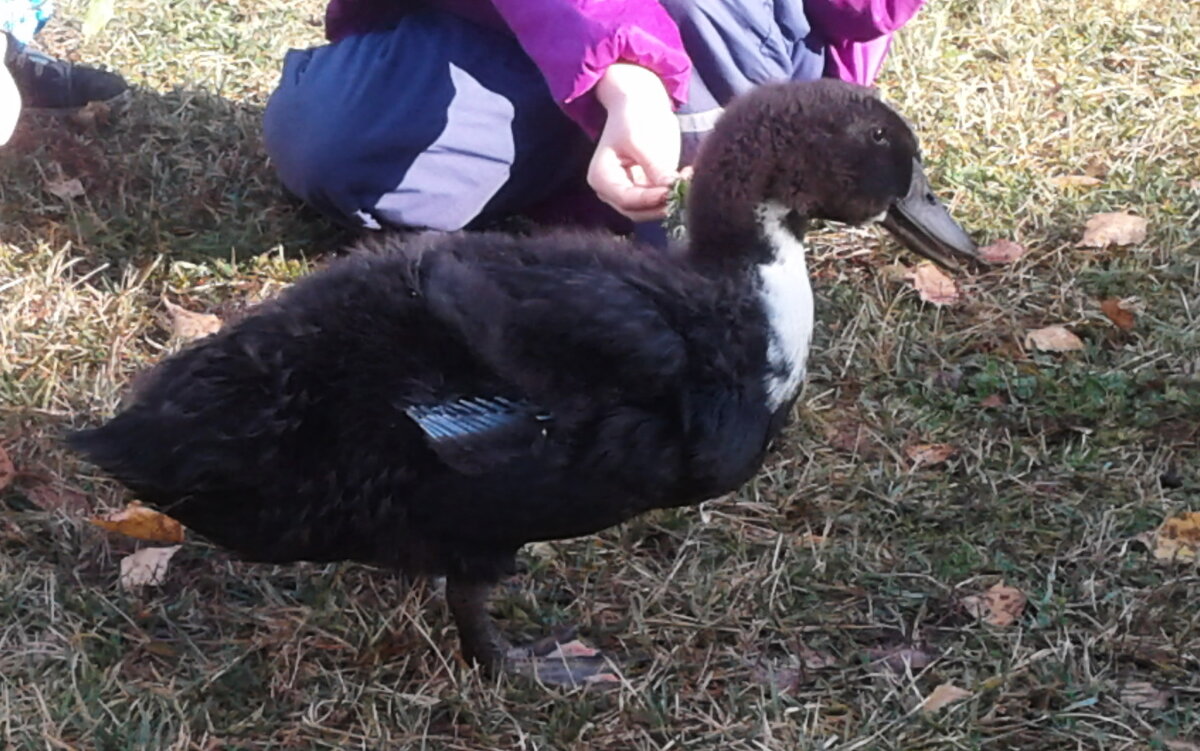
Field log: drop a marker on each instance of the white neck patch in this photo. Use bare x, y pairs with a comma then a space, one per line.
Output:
788, 302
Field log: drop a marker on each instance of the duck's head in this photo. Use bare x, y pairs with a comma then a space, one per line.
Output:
787, 153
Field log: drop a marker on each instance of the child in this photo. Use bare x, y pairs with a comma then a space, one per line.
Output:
34, 80
448, 113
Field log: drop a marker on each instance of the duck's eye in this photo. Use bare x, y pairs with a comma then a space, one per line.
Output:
879, 135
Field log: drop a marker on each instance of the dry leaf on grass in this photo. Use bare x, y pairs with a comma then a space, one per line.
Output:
929, 454
146, 567
187, 325
943, 695
795, 671
1143, 695
1179, 744
1178, 539
136, 520
895, 272
991, 401
99, 13
999, 606
1113, 228
65, 189
1074, 181
900, 659
91, 115
1053, 339
851, 436
55, 497
574, 648
7, 471
1184, 90
1120, 312
1002, 251
160, 649
933, 286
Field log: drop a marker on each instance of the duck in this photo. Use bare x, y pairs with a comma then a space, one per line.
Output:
438, 402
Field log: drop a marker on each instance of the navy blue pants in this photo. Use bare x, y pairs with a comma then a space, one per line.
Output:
441, 123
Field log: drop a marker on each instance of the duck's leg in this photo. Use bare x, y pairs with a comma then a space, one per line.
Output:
481, 640
549, 660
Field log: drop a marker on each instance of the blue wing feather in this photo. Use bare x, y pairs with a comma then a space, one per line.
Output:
474, 419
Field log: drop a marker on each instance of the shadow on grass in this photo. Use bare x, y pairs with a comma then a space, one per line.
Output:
182, 174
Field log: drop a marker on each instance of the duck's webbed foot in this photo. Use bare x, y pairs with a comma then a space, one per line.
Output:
556, 660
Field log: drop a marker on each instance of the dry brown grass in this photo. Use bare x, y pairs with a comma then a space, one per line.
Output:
757, 623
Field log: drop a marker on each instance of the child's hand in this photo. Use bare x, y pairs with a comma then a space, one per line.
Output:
637, 155
10, 98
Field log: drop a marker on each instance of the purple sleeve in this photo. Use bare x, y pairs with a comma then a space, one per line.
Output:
859, 20
573, 42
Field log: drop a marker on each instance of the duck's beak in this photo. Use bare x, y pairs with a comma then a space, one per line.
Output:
922, 224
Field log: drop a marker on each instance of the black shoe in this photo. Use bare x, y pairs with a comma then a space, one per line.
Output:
47, 83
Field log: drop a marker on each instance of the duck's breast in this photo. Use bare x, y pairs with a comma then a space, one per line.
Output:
787, 302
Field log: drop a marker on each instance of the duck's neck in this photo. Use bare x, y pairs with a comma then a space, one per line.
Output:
787, 302
733, 232
723, 223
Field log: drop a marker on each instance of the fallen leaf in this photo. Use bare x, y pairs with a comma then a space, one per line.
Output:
1117, 313
895, 272
929, 454
943, 695
1074, 181
574, 648
814, 659
933, 286
1053, 339
51, 497
160, 648
947, 380
900, 659
782, 679
1002, 251
91, 115
1143, 695
1006, 604
187, 325
795, 671
1185, 90
992, 401
544, 550
146, 567
7, 470
1113, 228
1178, 539
1096, 167
65, 189
99, 13
999, 606
1178, 744
136, 520
850, 436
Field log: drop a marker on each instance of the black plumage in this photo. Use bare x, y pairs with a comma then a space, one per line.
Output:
437, 403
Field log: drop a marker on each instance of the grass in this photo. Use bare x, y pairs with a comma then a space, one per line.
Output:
778, 618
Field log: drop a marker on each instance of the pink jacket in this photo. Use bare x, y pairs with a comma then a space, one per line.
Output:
858, 33
573, 41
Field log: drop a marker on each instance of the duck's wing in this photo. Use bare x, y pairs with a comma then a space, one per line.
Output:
559, 334
475, 434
